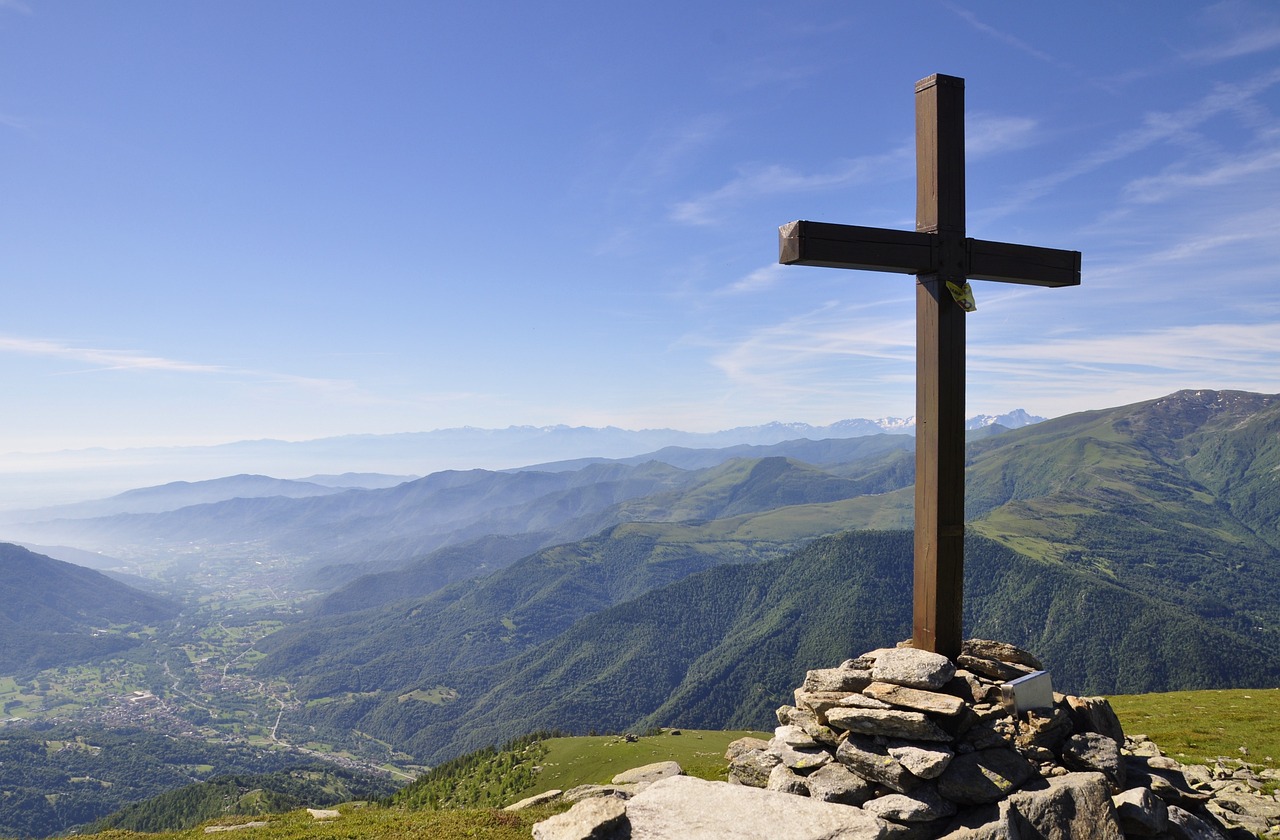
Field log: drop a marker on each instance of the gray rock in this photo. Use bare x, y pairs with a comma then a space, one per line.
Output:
921, 805
984, 776
1198, 776
983, 736
890, 723
1236, 820
1141, 812
837, 679
648, 774
785, 780
1070, 807
794, 736
581, 792
803, 759
1170, 785
590, 819
837, 783
913, 668
914, 698
1094, 714
967, 687
924, 760
993, 668
1184, 825
752, 767
1089, 752
1001, 651
743, 746
872, 762
1044, 728
820, 702
692, 809
809, 723
1250, 804
536, 799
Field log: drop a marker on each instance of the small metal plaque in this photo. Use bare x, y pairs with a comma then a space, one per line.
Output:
1034, 691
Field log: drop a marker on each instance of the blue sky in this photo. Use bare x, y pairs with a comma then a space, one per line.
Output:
241, 220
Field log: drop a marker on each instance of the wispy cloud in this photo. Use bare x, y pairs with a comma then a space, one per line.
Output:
1073, 372
757, 181
1156, 188
762, 278
795, 356
1157, 127
989, 134
1006, 38
1249, 28
98, 359
15, 6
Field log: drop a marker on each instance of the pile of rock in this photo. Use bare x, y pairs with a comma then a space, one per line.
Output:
906, 744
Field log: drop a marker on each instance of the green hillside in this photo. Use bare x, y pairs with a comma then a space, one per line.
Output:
724, 648
478, 622
318, 786
1175, 498
55, 778
53, 613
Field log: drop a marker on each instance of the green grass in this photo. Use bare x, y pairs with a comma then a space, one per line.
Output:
1190, 726
1196, 727
367, 822
597, 759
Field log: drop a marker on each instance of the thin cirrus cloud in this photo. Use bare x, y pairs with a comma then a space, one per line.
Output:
1158, 188
985, 134
754, 182
1156, 128
1173, 357
97, 359
780, 356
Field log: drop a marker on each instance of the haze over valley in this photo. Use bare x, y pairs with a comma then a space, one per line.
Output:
394, 625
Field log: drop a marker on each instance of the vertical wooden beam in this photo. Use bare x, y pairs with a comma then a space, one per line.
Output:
938, 595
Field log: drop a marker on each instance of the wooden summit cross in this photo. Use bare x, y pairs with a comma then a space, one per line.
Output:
937, 251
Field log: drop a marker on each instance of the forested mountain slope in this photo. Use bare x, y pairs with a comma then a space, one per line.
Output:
724, 647
53, 613
1177, 498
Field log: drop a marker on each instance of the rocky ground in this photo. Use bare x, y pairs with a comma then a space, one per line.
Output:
910, 745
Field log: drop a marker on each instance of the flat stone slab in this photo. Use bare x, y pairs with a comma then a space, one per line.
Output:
536, 799
914, 699
890, 723
921, 805
837, 679
1002, 651
685, 808
913, 668
872, 761
648, 773
928, 761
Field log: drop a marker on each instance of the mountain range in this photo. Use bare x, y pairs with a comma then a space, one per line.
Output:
1133, 548
75, 475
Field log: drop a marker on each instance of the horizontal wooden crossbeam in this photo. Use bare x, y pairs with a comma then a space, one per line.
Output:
913, 252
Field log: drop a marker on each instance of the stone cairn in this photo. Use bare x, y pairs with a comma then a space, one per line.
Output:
906, 744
